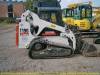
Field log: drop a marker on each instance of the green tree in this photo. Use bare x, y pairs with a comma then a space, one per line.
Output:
29, 4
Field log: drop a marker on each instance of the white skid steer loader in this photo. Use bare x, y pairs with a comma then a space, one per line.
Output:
30, 31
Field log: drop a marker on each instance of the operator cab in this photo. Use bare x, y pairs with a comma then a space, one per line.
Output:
79, 12
50, 11
83, 11
68, 12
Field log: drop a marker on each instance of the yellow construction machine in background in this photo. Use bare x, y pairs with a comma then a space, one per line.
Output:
81, 15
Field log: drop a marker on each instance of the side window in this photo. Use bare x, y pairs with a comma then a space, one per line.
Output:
83, 12
10, 10
86, 12
75, 11
89, 12
53, 18
72, 13
44, 16
68, 13
64, 13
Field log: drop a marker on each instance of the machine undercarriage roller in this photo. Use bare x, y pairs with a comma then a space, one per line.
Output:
40, 49
97, 40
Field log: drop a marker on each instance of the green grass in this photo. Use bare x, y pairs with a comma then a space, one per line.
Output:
6, 25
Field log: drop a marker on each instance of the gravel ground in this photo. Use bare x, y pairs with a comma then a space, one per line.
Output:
17, 60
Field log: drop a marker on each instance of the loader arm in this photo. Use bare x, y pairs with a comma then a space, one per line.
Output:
34, 20
96, 21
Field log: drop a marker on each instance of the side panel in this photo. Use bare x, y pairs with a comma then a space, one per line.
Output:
25, 35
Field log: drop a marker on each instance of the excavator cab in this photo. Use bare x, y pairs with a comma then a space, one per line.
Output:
83, 11
68, 12
79, 15
83, 17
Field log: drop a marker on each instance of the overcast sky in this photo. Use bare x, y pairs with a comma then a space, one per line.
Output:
65, 3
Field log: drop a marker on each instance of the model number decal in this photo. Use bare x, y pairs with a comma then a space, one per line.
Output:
52, 26
24, 31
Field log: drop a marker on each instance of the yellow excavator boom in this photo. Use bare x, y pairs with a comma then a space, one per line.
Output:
96, 21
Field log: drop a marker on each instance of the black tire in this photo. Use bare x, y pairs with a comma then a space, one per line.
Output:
34, 52
33, 55
33, 48
71, 53
96, 41
37, 46
65, 52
